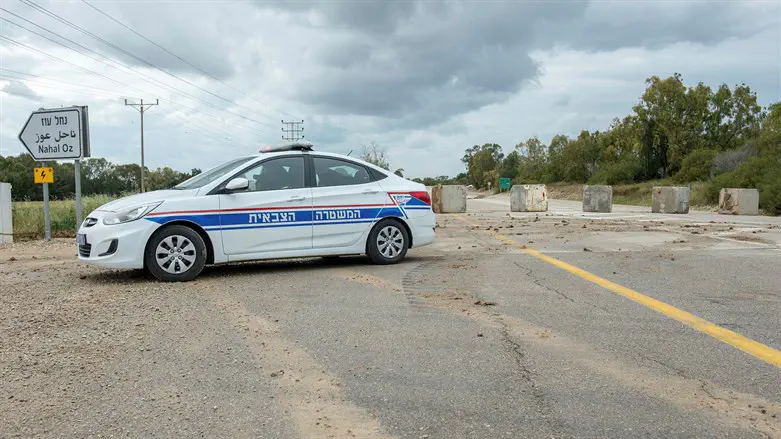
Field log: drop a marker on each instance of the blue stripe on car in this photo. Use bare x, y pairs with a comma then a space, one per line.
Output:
283, 218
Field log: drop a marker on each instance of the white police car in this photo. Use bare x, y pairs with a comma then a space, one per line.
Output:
288, 201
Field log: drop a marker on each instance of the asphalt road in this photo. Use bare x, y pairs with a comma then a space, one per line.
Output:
472, 337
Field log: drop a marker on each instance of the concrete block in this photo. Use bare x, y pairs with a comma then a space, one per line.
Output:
739, 201
670, 199
597, 198
448, 199
528, 198
6, 220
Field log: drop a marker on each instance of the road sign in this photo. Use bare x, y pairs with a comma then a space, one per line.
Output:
43, 175
55, 134
504, 183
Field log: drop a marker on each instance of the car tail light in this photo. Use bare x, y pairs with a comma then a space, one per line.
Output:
422, 196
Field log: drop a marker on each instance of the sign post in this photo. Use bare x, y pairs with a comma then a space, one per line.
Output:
77, 187
47, 223
57, 134
45, 176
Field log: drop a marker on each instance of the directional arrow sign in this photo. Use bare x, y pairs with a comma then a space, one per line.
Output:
56, 134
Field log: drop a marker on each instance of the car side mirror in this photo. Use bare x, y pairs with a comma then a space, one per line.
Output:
237, 184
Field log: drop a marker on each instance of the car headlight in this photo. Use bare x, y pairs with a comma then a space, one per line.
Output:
129, 214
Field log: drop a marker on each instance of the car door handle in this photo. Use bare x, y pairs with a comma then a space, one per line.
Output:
297, 198
370, 191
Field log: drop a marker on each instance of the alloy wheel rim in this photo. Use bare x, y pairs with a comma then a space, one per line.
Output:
390, 241
175, 254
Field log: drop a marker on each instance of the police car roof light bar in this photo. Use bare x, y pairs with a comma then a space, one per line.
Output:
300, 145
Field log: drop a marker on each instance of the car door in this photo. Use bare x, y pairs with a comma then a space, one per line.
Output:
346, 202
273, 214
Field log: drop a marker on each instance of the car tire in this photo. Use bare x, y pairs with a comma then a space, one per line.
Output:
175, 254
388, 242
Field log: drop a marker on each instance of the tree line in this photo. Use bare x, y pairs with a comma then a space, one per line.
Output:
675, 133
98, 177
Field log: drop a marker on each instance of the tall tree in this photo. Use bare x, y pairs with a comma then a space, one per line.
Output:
480, 161
511, 165
734, 116
375, 154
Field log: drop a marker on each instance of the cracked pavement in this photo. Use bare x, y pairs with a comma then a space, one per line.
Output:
468, 338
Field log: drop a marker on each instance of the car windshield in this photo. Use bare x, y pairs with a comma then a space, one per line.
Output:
212, 174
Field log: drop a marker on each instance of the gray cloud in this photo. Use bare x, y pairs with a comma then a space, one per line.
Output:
423, 75
362, 16
612, 25
418, 63
182, 30
421, 63
189, 30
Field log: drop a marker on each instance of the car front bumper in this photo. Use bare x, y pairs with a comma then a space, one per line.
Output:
115, 246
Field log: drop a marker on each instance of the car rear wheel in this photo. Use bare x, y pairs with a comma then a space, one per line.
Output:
388, 242
175, 254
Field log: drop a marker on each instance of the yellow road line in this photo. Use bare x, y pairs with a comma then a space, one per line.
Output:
745, 344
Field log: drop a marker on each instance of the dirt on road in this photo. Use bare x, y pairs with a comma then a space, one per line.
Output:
88, 352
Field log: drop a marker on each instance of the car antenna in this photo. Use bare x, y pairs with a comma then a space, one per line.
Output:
351, 151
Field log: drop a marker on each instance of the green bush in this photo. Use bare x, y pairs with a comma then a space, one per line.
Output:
762, 173
622, 172
696, 166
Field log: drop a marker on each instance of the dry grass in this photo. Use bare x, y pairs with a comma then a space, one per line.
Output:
637, 194
28, 216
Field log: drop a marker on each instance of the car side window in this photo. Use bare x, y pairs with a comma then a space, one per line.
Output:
334, 172
275, 174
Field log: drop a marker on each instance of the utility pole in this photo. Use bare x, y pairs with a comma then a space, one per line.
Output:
142, 107
294, 131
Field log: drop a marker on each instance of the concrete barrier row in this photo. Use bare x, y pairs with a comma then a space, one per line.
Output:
669, 199
739, 201
599, 198
528, 198
448, 199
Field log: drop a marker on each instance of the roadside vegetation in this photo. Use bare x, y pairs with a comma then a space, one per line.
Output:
636, 194
98, 177
28, 216
676, 135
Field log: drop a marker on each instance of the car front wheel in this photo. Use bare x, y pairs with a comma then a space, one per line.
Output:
388, 242
175, 254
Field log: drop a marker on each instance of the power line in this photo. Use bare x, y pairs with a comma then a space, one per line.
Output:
185, 108
68, 89
214, 128
175, 55
40, 52
166, 86
134, 88
67, 86
217, 118
115, 47
214, 135
131, 70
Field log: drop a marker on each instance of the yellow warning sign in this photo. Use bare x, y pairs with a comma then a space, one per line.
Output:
44, 175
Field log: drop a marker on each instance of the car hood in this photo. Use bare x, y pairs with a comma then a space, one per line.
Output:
145, 198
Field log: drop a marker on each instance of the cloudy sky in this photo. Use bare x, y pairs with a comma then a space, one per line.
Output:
424, 79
